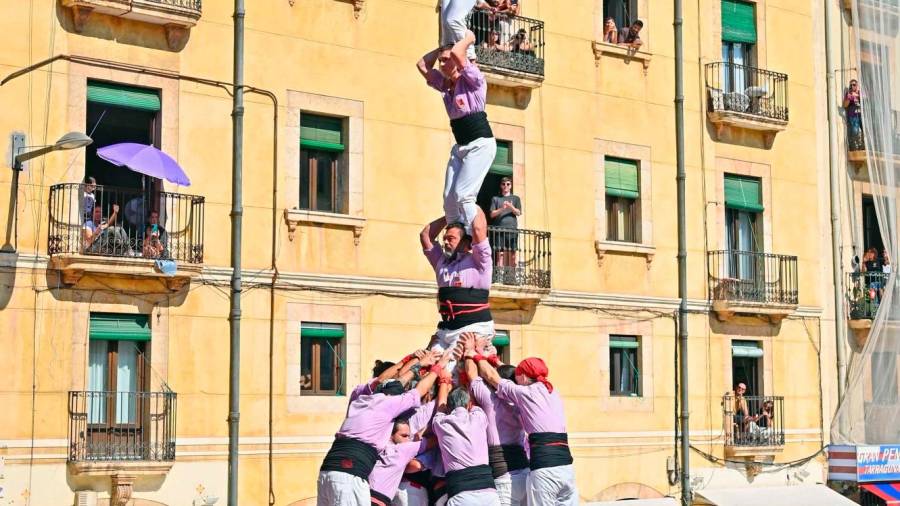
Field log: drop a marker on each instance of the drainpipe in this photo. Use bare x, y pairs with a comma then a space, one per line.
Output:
682, 255
833, 165
234, 317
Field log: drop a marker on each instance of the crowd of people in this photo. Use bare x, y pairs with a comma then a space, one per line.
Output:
450, 423
107, 235
751, 424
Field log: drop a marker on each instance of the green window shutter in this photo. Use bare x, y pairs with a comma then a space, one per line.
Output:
123, 96
746, 349
623, 342
501, 338
322, 330
503, 161
621, 177
120, 327
743, 193
321, 132
738, 22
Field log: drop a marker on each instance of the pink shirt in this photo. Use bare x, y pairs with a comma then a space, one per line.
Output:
539, 410
467, 270
364, 389
461, 438
504, 426
468, 95
421, 417
370, 418
385, 477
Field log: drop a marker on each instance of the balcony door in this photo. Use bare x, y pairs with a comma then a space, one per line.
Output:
738, 42
744, 263
117, 378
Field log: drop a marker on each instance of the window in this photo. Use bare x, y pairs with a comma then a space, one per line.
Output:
117, 351
501, 342
624, 12
622, 200
624, 366
743, 206
738, 39
324, 184
322, 358
746, 365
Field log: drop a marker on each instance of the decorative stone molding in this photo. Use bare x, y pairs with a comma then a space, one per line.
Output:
604, 247
727, 120
624, 53
175, 17
294, 217
122, 489
74, 267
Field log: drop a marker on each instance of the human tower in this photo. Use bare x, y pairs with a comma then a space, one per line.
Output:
451, 424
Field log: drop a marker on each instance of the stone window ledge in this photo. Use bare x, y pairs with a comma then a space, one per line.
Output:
605, 247
623, 52
294, 217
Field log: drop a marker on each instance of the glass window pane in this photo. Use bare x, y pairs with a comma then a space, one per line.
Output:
304, 179
98, 362
327, 365
126, 381
324, 183
306, 364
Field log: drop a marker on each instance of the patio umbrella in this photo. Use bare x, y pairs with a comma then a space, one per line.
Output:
145, 160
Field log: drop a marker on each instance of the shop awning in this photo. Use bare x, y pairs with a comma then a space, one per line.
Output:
819, 495
889, 492
664, 501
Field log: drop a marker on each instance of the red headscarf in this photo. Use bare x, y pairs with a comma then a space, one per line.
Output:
535, 369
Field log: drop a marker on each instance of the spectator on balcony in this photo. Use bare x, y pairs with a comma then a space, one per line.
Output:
89, 199
630, 35
505, 211
742, 417
610, 31
521, 44
153, 219
885, 262
494, 42
766, 417
153, 247
506, 9
873, 268
453, 21
852, 104
104, 236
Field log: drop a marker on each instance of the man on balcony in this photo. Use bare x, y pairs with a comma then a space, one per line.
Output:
463, 268
630, 35
103, 236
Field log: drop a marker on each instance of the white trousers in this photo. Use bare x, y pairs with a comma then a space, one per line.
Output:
409, 495
552, 486
341, 489
447, 338
511, 487
453, 23
475, 498
466, 169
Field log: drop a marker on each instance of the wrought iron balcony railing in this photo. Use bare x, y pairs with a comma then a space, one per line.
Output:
122, 426
521, 257
753, 421
508, 43
747, 276
743, 89
864, 293
177, 234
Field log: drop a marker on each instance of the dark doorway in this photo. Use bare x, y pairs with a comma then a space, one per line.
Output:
871, 232
489, 189
112, 125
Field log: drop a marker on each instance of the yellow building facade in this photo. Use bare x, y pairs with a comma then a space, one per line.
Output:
116, 383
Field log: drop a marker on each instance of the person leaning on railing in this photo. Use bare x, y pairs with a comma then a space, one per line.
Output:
104, 236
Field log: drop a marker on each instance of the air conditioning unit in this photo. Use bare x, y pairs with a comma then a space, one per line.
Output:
86, 498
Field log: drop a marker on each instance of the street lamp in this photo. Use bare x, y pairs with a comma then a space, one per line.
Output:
72, 140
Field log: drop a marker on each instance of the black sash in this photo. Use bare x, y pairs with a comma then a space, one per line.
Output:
497, 461
470, 478
379, 499
470, 127
462, 306
437, 489
549, 449
351, 456
515, 456
421, 478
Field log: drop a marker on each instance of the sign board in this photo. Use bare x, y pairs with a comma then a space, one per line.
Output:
878, 463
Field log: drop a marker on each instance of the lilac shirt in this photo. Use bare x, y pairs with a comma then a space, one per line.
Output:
370, 418
469, 270
421, 416
469, 94
504, 426
364, 389
539, 410
461, 437
388, 471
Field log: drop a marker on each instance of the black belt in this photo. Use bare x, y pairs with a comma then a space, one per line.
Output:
437, 489
549, 449
471, 127
497, 461
421, 478
351, 456
470, 478
379, 499
463, 306
515, 456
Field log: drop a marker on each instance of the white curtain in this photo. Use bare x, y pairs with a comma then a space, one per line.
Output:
870, 410
97, 374
126, 382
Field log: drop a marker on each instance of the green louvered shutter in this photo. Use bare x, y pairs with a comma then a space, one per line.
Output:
629, 342
120, 327
120, 95
501, 338
743, 193
738, 22
746, 349
322, 330
503, 162
321, 132
621, 177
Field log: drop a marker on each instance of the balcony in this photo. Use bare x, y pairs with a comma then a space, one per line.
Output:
129, 249
746, 98
177, 16
864, 293
754, 284
517, 60
748, 431
521, 264
121, 435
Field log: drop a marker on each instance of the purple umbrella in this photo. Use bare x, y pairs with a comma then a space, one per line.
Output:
146, 160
